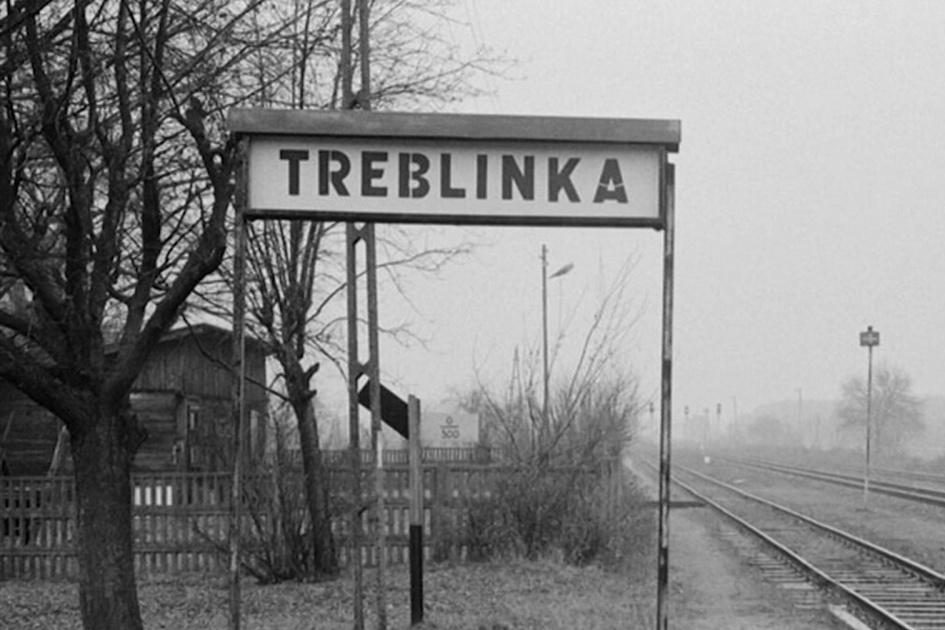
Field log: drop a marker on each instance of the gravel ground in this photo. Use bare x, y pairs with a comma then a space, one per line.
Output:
710, 589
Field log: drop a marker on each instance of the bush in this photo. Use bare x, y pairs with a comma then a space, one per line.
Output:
577, 515
277, 546
564, 491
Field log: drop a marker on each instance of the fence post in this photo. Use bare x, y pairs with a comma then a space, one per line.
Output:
441, 532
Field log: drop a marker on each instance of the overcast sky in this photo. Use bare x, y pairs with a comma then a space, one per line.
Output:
810, 194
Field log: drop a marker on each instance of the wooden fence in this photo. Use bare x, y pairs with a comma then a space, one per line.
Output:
181, 519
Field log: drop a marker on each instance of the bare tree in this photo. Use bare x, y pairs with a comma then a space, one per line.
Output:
115, 182
283, 261
594, 401
895, 412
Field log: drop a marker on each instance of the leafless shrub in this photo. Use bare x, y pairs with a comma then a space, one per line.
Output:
563, 490
278, 543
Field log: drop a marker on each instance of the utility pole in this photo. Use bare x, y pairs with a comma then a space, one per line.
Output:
800, 414
705, 428
718, 419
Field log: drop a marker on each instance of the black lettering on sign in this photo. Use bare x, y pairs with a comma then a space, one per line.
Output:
413, 167
561, 179
294, 156
523, 178
447, 191
482, 173
611, 186
449, 431
370, 173
336, 177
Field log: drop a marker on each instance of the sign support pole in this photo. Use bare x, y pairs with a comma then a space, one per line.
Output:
662, 618
356, 369
373, 370
352, 236
416, 510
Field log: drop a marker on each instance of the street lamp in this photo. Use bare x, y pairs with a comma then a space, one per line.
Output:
544, 326
868, 338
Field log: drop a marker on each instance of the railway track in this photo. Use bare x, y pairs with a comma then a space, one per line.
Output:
936, 479
883, 588
924, 493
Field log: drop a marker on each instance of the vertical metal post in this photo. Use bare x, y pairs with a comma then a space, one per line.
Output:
800, 414
544, 344
718, 423
376, 438
868, 338
662, 605
346, 70
238, 385
352, 236
869, 423
705, 429
364, 44
416, 510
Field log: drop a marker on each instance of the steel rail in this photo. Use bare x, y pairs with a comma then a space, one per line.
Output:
819, 577
924, 475
921, 494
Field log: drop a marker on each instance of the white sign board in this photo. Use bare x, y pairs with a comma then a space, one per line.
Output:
442, 168
336, 176
440, 429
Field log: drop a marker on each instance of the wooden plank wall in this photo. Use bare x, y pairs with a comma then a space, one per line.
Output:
180, 519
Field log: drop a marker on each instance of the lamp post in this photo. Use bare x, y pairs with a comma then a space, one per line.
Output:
544, 327
868, 338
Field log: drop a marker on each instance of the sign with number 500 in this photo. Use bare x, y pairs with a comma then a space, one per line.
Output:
444, 430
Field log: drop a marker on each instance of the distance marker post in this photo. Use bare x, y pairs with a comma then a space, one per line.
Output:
416, 510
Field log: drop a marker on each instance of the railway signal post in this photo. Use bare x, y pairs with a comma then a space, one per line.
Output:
868, 338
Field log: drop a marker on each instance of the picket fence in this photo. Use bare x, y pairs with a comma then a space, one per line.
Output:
181, 519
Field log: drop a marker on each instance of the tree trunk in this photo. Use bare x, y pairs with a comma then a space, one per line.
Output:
325, 560
102, 451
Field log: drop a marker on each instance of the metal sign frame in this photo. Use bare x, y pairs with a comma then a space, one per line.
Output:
661, 136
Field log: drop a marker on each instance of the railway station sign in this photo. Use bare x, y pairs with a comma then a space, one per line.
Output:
456, 168
372, 167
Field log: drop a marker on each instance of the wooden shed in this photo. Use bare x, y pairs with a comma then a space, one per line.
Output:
182, 397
